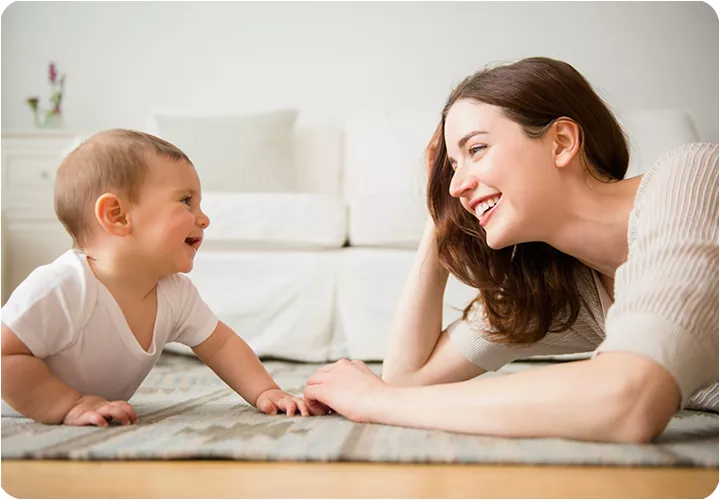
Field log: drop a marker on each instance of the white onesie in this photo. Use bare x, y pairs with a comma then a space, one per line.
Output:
69, 319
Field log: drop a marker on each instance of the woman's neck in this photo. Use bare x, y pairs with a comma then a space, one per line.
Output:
593, 224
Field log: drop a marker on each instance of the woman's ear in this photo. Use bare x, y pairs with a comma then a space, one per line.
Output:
111, 213
567, 141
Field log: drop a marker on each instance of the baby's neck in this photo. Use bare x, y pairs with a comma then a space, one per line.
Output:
122, 276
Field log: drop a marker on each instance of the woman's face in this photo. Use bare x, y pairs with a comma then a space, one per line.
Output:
506, 179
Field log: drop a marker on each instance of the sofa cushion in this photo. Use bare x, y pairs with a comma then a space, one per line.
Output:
274, 220
387, 220
369, 284
384, 183
245, 153
280, 302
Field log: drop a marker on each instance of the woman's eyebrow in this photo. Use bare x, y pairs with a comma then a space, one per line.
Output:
463, 140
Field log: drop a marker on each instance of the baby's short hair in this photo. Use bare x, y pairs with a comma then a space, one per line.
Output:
114, 161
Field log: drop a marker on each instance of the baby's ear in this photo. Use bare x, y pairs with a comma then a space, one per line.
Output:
111, 213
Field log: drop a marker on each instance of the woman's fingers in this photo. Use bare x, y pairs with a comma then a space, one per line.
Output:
326, 368
316, 407
363, 366
317, 378
313, 393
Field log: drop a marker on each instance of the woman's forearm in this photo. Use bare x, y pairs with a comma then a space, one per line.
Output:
417, 323
594, 400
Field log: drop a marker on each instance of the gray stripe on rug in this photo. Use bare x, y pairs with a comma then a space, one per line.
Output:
358, 443
77, 444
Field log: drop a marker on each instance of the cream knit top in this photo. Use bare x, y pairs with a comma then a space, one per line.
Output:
666, 292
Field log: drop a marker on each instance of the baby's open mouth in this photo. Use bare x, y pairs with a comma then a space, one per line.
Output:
194, 243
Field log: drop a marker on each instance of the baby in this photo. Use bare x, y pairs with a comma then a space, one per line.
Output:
80, 335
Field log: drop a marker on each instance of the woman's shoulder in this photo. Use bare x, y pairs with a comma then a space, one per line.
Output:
680, 168
680, 187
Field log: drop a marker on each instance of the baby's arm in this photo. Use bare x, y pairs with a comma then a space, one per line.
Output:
30, 388
236, 363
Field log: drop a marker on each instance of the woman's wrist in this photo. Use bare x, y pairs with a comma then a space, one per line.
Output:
428, 249
379, 406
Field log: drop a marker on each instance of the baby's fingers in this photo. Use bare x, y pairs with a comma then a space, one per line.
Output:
111, 412
89, 417
266, 406
120, 411
288, 405
302, 407
127, 409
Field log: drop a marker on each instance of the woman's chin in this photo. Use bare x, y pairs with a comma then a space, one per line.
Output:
497, 240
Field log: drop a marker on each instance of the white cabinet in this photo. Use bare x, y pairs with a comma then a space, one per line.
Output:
31, 234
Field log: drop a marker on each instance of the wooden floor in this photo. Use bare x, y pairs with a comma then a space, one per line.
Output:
224, 479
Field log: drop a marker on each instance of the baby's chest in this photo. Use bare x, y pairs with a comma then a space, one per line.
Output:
142, 326
141, 318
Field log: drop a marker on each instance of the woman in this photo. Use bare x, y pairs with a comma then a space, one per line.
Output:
529, 206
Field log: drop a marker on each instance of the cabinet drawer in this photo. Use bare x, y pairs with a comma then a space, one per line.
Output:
29, 173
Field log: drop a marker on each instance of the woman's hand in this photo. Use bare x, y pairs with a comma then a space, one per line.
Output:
431, 151
349, 388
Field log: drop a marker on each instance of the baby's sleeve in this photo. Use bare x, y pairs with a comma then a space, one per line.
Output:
46, 310
194, 321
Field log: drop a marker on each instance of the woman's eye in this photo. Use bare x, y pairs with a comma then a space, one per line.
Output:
476, 149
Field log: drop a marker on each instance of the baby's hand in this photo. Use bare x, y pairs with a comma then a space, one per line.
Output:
94, 410
274, 400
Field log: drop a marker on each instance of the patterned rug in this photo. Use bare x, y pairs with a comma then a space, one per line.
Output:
186, 412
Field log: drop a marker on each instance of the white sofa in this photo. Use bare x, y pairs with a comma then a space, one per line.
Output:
313, 273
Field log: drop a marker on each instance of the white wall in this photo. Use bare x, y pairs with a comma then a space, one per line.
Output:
125, 59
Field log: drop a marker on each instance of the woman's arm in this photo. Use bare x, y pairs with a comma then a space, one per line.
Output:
419, 352
616, 397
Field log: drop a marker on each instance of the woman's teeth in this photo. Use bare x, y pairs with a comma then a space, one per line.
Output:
486, 205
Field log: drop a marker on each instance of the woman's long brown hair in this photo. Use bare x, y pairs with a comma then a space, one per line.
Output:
531, 289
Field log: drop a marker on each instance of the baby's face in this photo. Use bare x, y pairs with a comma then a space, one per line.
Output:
167, 223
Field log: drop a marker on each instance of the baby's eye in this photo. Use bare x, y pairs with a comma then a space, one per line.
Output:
476, 149
187, 200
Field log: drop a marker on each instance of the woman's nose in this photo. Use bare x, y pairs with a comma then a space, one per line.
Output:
461, 182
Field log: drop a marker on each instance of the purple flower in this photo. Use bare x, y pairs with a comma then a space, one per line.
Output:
53, 72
